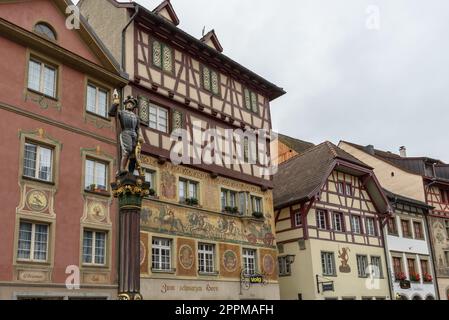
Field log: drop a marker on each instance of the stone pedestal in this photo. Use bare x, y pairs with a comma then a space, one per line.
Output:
130, 190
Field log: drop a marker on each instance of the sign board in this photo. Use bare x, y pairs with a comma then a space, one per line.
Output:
256, 279
328, 286
404, 284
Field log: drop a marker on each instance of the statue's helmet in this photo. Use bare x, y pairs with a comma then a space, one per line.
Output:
131, 99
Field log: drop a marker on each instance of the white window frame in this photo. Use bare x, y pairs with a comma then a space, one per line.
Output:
298, 219
228, 195
161, 244
249, 261
39, 148
186, 188
254, 206
340, 221
322, 214
328, 263
370, 226
284, 267
42, 88
98, 89
157, 111
206, 252
362, 265
96, 161
152, 174
32, 252
378, 275
353, 226
93, 254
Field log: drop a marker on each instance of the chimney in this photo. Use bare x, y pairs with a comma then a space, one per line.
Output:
370, 149
403, 152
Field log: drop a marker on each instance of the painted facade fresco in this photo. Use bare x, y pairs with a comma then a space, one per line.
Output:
440, 239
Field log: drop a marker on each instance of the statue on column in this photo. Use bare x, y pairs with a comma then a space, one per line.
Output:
131, 138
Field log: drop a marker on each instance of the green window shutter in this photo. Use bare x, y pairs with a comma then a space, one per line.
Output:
214, 83
247, 99
206, 78
177, 120
143, 109
157, 54
254, 104
167, 59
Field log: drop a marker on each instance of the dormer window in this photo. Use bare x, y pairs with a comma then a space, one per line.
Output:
45, 30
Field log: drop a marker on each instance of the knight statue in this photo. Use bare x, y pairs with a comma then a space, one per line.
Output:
131, 139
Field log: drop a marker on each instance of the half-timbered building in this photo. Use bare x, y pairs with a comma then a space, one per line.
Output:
419, 178
58, 230
207, 226
329, 213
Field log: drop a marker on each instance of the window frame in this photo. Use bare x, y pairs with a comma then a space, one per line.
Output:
362, 272
409, 234
159, 109
167, 247
43, 64
202, 260
246, 257
284, 267
50, 27
186, 188
32, 252
107, 178
420, 234
318, 220
39, 146
93, 254
380, 275
342, 221
98, 88
393, 232
254, 200
297, 223
372, 227
228, 193
251, 106
359, 219
331, 255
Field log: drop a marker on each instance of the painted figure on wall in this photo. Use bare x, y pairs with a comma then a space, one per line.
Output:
131, 139
343, 255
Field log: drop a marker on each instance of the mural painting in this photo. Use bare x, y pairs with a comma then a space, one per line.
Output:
144, 253
441, 246
343, 255
186, 264
230, 261
268, 264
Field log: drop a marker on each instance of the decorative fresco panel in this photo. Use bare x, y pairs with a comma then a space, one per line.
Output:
36, 200
230, 266
268, 264
186, 262
440, 236
168, 186
196, 223
144, 251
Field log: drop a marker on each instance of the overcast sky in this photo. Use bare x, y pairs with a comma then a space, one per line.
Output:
371, 72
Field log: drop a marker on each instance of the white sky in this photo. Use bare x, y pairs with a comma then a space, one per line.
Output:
387, 87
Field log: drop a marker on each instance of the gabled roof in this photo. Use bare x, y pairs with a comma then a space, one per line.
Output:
414, 165
302, 177
300, 146
166, 10
394, 197
211, 38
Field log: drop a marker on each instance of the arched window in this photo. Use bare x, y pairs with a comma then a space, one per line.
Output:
416, 297
45, 30
430, 297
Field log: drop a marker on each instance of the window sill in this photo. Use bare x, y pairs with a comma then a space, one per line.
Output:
284, 275
33, 263
329, 275
50, 183
56, 99
99, 193
94, 266
98, 116
156, 271
208, 274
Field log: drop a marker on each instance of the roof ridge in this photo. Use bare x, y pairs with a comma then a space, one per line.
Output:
330, 145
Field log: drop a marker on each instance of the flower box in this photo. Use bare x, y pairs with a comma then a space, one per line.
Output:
400, 276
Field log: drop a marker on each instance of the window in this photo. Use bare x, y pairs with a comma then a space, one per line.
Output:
339, 222
356, 225
362, 266
161, 254
206, 258
348, 189
250, 153
150, 177
321, 219
229, 201
406, 229
328, 263
33, 242
397, 265
249, 261
411, 266
45, 30
188, 190
38, 162
417, 227
97, 100
376, 266
392, 227
256, 204
370, 226
424, 267
158, 118
284, 266
210, 80
162, 56
251, 101
446, 223
341, 188
94, 247
42, 78
344, 188
95, 175
298, 219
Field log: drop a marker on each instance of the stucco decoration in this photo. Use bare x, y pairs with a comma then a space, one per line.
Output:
36, 200
186, 263
96, 211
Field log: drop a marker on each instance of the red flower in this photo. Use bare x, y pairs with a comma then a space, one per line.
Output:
401, 276
427, 277
415, 277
